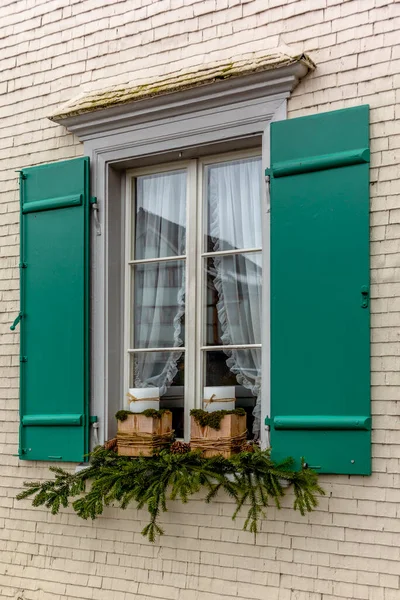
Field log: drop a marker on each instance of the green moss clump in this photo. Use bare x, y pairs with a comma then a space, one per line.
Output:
122, 415
213, 419
156, 414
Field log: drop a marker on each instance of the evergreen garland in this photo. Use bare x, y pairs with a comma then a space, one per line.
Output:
248, 477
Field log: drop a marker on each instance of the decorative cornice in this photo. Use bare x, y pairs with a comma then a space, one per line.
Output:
97, 112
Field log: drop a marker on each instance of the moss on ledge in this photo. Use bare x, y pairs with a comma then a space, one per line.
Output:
175, 82
122, 415
213, 419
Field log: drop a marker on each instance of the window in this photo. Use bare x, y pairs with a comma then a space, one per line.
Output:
186, 311
193, 284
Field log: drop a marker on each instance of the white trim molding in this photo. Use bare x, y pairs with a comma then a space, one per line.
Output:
220, 116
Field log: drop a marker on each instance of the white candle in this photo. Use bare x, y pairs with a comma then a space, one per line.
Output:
219, 392
148, 398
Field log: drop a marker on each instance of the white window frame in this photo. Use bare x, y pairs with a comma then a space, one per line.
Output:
202, 254
221, 116
191, 220
196, 213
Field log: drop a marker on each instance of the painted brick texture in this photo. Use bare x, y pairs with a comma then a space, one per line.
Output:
348, 549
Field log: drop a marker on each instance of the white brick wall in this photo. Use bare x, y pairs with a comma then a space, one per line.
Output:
349, 548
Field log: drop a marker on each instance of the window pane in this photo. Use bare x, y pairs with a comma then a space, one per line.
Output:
234, 205
160, 215
159, 304
233, 299
240, 368
164, 371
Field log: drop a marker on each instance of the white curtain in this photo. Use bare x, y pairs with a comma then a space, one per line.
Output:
159, 303
234, 198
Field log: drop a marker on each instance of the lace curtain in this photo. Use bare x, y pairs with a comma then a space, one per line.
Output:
159, 286
234, 200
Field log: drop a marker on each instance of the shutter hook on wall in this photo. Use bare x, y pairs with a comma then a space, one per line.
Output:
95, 427
17, 320
268, 189
93, 420
95, 208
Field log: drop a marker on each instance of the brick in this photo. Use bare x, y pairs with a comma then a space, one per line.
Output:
349, 547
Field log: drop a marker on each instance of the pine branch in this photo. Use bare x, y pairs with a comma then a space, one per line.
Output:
250, 478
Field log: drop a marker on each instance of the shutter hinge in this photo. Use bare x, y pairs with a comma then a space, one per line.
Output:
23, 359
364, 296
22, 265
95, 208
16, 321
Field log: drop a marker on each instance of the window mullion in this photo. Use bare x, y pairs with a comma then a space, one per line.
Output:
128, 338
159, 259
191, 374
236, 251
200, 290
231, 347
157, 349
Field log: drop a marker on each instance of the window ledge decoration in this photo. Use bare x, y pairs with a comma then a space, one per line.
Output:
218, 433
271, 72
250, 478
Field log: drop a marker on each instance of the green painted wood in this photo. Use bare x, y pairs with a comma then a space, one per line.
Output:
50, 420
16, 321
52, 203
324, 422
320, 163
320, 338
55, 306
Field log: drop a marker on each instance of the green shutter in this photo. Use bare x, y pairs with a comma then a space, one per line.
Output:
320, 355
54, 394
